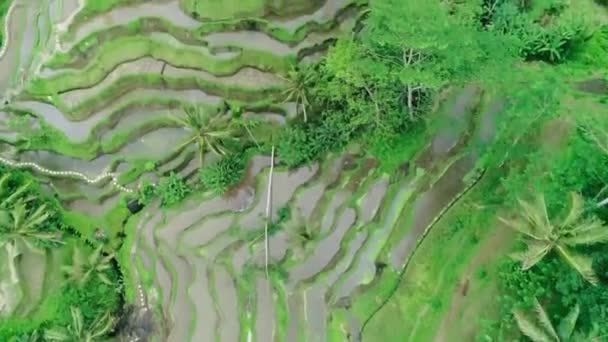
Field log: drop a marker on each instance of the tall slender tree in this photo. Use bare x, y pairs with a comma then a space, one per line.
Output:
299, 81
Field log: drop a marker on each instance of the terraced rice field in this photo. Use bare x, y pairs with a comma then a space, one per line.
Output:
206, 260
105, 84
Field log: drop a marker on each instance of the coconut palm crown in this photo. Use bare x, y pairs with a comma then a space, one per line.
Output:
543, 235
78, 332
82, 268
209, 132
539, 328
19, 222
299, 81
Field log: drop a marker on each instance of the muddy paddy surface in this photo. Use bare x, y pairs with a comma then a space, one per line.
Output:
201, 236
206, 259
167, 10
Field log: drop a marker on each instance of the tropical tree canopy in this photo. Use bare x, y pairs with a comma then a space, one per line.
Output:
82, 268
209, 132
541, 329
542, 234
77, 332
21, 227
300, 80
21, 219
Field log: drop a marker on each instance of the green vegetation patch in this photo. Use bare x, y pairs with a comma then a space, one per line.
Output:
131, 48
77, 278
215, 9
4, 6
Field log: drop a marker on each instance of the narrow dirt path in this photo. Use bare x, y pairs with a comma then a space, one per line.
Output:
490, 249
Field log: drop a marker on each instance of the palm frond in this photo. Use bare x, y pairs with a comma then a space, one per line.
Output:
568, 323
104, 278
77, 320
521, 226
3, 182
18, 215
575, 212
17, 193
101, 326
39, 216
581, 263
544, 320
217, 148
95, 256
588, 232
536, 251
536, 215
529, 328
57, 334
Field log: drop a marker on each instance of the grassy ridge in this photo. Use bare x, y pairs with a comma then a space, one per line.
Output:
436, 274
4, 6
125, 49
143, 26
214, 9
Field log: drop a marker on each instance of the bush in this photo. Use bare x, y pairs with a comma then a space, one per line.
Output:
220, 176
172, 190
37, 198
301, 144
93, 300
146, 193
550, 40
295, 146
284, 214
520, 287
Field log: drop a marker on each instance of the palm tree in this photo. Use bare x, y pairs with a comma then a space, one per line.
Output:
8, 195
19, 226
540, 329
542, 235
209, 132
34, 336
299, 80
95, 265
77, 332
248, 124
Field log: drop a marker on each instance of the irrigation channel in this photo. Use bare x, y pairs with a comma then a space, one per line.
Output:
104, 84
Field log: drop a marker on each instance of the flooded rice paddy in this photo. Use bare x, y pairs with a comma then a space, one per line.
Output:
207, 276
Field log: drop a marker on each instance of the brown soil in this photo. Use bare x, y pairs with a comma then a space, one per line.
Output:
470, 296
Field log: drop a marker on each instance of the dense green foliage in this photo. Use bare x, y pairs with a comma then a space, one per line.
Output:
379, 83
92, 295
55, 310
4, 5
221, 175
525, 54
545, 234
172, 190
210, 132
15, 185
580, 167
378, 87
547, 30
